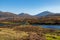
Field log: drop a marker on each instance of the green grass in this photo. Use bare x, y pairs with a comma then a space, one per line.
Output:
7, 22
52, 37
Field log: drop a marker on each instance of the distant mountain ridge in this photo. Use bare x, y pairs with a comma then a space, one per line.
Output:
44, 13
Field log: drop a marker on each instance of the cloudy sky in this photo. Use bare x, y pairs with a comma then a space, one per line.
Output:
32, 7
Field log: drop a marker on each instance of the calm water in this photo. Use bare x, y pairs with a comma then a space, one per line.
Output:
2, 24
44, 26
50, 26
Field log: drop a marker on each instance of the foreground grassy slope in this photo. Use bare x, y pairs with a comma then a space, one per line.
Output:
23, 32
28, 32
9, 34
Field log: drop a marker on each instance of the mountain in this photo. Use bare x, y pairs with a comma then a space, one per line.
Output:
55, 14
25, 15
7, 14
44, 13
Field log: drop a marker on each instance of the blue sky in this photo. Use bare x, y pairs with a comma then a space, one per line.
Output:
32, 7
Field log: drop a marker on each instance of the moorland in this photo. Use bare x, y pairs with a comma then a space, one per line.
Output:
20, 27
